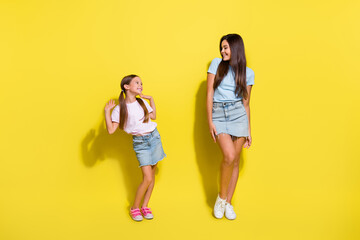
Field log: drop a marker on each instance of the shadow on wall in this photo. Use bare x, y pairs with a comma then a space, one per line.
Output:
101, 145
208, 154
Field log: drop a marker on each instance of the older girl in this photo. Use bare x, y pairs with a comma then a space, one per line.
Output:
229, 84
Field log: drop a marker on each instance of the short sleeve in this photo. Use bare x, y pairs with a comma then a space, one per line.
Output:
214, 65
250, 76
115, 115
147, 106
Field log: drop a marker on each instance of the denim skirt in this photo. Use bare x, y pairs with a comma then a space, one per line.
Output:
148, 148
230, 118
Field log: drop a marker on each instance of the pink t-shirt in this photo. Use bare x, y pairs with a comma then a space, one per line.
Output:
134, 124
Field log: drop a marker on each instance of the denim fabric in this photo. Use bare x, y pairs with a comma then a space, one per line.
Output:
230, 118
148, 148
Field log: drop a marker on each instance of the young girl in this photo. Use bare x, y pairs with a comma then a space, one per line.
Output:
133, 116
229, 84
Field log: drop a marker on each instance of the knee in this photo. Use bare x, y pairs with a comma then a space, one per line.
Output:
237, 161
148, 180
229, 158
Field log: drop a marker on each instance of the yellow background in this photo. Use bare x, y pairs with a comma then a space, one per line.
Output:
63, 177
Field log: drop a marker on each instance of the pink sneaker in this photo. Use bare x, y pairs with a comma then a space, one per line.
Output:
146, 212
135, 214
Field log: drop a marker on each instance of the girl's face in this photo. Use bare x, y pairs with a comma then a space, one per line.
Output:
135, 86
225, 50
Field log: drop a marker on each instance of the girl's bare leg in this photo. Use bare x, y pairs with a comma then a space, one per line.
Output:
150, 188
238, 144
228, 150
147, 180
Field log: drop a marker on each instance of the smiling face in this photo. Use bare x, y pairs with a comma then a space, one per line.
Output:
225, 50
135, 86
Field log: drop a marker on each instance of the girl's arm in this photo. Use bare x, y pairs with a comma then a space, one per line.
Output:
209, 104
152, 105
247, 109
110, 125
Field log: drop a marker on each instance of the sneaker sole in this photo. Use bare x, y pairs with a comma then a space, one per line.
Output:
218, 217
136, 220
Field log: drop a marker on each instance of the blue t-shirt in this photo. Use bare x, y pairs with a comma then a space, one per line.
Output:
225, 92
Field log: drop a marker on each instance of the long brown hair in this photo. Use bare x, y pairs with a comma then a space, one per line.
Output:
123, 108
237, 62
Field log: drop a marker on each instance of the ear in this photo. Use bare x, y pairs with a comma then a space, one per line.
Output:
126, 86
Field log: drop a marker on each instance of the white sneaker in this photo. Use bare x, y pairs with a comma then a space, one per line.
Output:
219, 207
229, 211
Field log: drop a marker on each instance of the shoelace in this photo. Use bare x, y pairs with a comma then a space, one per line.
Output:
231, 207
221, 205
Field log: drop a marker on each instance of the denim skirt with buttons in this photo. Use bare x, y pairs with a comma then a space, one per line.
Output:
230, 118
148, 148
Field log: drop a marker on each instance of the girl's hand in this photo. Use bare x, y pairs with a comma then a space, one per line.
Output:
248, 142
110, 105
145, 96
213, 132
